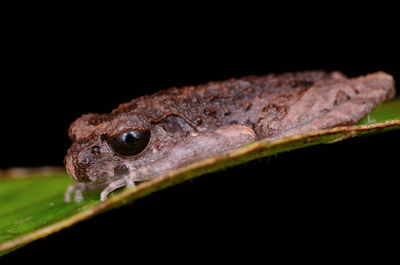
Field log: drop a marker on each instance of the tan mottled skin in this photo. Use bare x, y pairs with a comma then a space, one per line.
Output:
195, 122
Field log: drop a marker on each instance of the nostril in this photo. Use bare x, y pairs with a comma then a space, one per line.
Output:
95, 150
84, 161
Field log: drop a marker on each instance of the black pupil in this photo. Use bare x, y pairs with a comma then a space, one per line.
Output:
130, 143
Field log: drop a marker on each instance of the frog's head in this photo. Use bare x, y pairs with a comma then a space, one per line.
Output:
104, 146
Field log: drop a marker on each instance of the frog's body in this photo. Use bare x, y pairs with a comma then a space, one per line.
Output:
191, 123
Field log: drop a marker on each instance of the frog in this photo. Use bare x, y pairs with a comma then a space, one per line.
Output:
152, 135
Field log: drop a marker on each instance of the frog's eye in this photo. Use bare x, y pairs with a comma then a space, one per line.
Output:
130, 143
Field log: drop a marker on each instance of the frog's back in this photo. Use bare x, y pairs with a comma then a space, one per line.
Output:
262, 103
220, 103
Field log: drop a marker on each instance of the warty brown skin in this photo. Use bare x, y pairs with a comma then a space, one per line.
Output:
195, 122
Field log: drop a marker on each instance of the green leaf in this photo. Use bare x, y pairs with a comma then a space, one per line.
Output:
32, 205
388, 111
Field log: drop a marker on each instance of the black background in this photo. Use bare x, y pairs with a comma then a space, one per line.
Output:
62, 60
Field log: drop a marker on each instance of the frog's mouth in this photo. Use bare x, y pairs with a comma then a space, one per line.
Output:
120, 171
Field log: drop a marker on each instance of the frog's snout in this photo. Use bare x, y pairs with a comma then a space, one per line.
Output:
93, 162
69, 165
77, 163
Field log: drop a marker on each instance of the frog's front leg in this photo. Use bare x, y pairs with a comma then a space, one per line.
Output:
77, 189
119, 183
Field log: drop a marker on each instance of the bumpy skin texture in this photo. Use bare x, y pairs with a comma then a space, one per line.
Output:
196, 122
